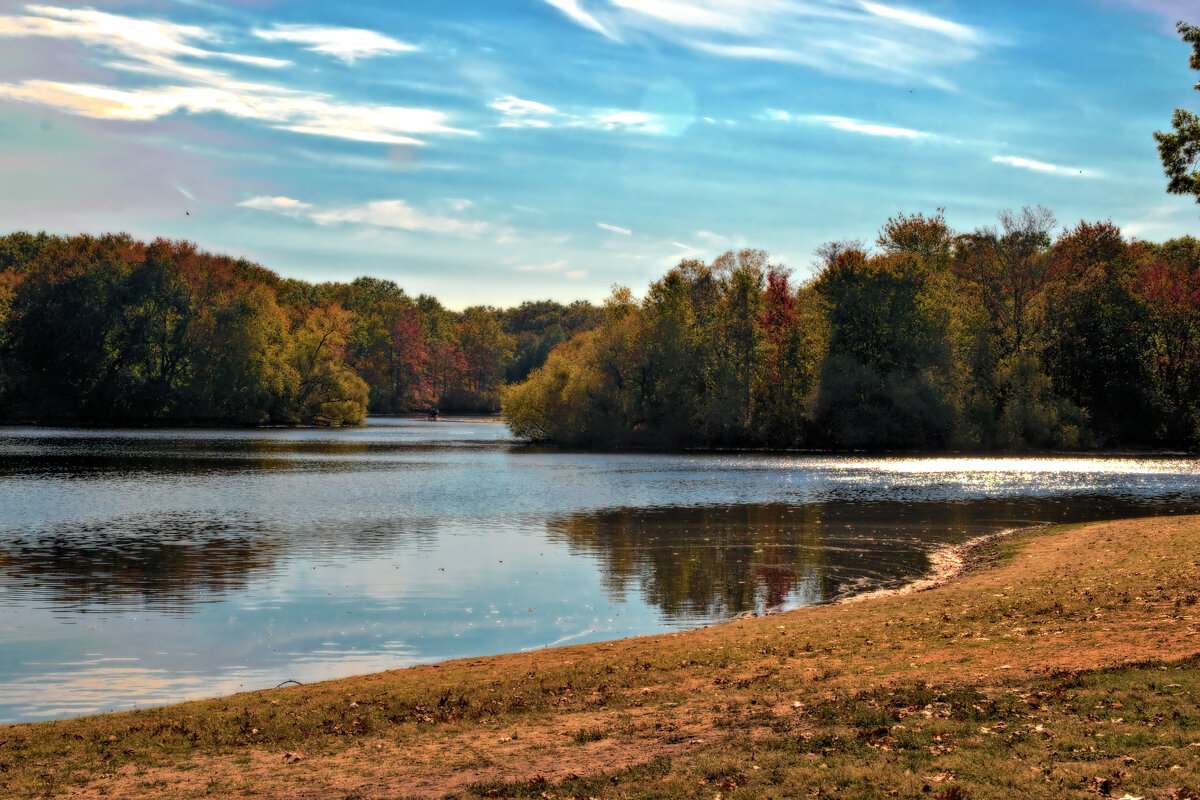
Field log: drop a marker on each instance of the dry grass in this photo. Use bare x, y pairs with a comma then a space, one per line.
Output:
1064, 665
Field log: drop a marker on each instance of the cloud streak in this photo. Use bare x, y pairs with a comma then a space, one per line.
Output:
345, 44
856, 37
614, 229
577, 15
847, 124
520, 113
1042, 166
396, 214
168, 52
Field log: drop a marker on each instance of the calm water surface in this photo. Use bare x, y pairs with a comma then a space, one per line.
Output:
140, 567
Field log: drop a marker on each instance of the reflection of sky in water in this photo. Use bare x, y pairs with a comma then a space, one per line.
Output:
144, 566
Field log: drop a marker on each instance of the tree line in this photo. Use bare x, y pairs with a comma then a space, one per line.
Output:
107, 329
1010, 336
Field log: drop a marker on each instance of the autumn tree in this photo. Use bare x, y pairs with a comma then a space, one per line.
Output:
486, 349
328, 392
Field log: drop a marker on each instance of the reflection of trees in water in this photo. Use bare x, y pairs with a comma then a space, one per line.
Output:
170, 562
84, 569
696, 563
126, 453
706, 562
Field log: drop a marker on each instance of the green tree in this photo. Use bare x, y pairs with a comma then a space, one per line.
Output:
242, 374
1099, 334
1180, 151
884, 381
328, 392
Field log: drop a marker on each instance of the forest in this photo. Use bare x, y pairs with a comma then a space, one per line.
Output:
106, 330
1014, 336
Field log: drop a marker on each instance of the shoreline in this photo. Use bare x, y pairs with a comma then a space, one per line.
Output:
1003, 665
945, 565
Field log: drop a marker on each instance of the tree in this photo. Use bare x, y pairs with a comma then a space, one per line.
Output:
327, 390
1011, 268
1180, 151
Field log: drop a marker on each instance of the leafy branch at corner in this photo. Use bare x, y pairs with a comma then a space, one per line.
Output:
1180, 151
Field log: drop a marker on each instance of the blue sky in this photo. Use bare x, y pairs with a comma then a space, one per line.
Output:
493, 151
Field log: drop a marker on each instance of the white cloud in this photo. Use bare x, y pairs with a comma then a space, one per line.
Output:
688, 13
154, 42
614, 229
279, 205
520, 113
572, 9
346, 44
376, 214
846, 124
915, 19
515, 106
154, 48
1042, 166
399, 214
871, 128
852, 37
628, 121
554, 266
1161, 221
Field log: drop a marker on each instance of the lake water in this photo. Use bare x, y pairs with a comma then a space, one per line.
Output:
141, 567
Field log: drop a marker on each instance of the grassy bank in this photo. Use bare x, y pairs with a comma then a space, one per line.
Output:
1064, 663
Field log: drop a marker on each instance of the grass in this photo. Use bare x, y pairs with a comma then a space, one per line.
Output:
1065, 664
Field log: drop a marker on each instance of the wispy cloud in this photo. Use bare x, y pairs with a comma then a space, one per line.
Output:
520, 113
158, 49
554, 267
516, 107
1161, 221
279, 205
1042, 166
573, 10
345, 44
846, 124
376, 214
841, 36
154, 43
614, 229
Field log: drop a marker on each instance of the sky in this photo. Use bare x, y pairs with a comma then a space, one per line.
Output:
496, 151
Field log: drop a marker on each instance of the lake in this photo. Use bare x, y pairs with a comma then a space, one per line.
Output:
141, 567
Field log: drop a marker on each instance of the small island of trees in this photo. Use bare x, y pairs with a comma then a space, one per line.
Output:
1005, 337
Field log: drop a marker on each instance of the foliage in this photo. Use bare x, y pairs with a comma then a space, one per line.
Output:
107, 329
1005, 337
1180, 151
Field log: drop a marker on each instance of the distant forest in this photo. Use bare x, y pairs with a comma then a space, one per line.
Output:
106, 329
1008, 337
1017, 336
